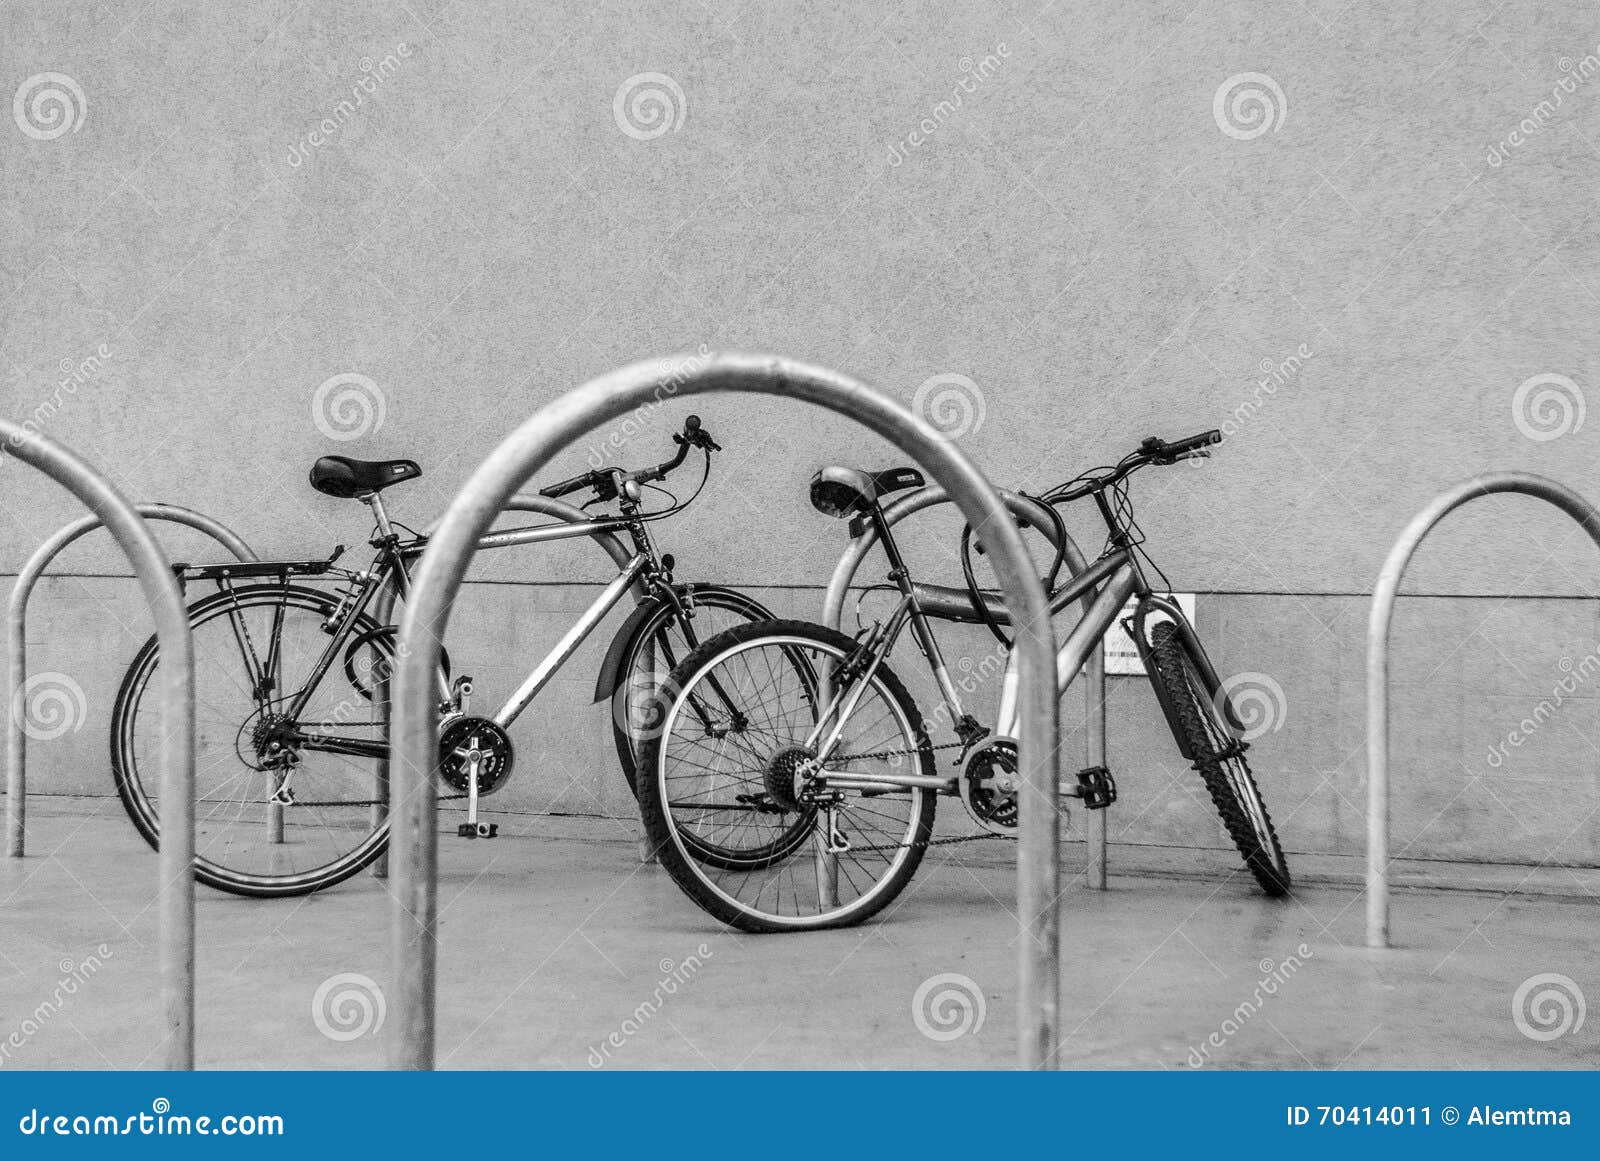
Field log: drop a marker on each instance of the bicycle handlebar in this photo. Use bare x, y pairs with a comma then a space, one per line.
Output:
1154, 450
608, 481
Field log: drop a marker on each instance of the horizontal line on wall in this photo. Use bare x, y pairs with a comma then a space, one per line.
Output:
736, 584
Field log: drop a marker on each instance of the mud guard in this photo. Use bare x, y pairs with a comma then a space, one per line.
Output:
611, 667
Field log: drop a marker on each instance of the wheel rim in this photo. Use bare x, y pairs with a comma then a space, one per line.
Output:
701, 779
333, 825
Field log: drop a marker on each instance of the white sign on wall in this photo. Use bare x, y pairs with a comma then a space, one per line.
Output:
1122, 655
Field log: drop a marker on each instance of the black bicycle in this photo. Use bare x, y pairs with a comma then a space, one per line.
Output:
291, 780
807, 799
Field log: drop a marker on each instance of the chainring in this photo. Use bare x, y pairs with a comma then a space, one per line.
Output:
457, 742
989, 786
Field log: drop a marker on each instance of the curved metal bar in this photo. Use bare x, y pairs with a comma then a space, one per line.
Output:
383, 609
17, 628
1378, 626
414, 739
1026, 509
175, 876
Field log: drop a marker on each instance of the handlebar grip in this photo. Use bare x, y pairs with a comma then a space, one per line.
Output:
566, 486
1193, 442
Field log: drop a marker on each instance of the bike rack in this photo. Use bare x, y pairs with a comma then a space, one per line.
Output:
414, 740
17, 624
1378, 625
1027, 511
383, 609
175, 874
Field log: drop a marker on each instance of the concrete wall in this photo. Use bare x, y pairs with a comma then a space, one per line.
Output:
1375, 294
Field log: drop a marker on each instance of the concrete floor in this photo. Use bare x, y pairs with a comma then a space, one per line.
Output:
554, 939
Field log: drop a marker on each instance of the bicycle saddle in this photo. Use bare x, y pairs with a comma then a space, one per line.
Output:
845, 491
347, 478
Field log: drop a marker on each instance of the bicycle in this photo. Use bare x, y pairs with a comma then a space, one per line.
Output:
816, 745
291, 775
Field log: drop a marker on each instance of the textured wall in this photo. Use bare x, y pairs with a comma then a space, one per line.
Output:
237, 237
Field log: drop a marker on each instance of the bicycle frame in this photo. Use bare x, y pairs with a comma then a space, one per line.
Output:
390, 567
1113, 579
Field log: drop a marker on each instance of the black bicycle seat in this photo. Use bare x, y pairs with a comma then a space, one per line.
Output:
845, 491
348, 479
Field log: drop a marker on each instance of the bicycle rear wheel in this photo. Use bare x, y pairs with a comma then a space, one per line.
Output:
330, 831
1220, 760
738, 808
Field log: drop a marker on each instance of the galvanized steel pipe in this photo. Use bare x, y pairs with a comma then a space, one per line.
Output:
1378, 626
414, 739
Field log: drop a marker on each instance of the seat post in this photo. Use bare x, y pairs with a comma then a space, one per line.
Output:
375, 502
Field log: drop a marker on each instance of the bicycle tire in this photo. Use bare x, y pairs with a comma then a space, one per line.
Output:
675, 849
627, 726
1228, 778
136, 799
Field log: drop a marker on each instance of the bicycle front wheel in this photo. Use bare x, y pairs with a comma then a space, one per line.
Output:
1220, 760
745, 817
658, 645
254, 651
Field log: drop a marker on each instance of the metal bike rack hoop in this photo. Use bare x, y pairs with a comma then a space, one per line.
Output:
17, 630
1378, 626
175, 864
414, 739
383, 609
1028, 511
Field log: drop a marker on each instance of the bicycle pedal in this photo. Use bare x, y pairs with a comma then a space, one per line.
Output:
1095, 787
485, 830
